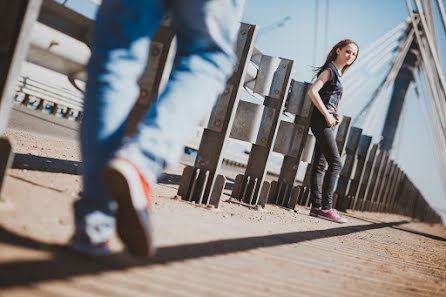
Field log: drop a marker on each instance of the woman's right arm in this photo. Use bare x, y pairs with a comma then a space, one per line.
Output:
313, 92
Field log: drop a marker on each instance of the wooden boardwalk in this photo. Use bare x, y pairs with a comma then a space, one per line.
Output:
232, 252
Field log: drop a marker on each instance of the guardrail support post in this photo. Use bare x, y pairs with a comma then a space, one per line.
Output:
344, 178
254, 177
363, 149
365, 179
372, 181
157, 69
202, 183
17, 18
389, 178
299, 103
379, 182
6, 157
394, 189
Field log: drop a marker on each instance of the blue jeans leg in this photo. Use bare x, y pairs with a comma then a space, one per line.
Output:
120, 44
206, 32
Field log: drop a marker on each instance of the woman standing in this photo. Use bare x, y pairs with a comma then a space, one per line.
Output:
325, 93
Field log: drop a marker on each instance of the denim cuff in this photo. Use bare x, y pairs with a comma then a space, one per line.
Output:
149, 168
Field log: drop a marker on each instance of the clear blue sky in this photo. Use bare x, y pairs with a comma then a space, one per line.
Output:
363, 21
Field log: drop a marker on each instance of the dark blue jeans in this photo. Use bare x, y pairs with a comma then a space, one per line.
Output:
323, 182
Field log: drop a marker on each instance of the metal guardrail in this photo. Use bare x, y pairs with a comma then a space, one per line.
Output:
369, 179
56, 51
65, 20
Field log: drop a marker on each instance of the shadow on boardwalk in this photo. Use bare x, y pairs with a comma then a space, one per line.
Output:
55, 165
46, 164
65, 263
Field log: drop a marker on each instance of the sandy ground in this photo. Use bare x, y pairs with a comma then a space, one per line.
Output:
234, 251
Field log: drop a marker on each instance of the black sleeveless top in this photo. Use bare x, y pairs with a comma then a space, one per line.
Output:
330, 93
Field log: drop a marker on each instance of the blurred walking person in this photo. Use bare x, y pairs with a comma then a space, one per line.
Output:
119, 171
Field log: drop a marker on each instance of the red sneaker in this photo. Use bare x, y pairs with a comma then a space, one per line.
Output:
314, 211
331, 215
131, 191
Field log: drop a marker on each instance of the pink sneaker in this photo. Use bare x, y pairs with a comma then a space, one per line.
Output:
314, 211
331, 215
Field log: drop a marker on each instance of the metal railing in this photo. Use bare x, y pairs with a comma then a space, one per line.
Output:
369, 179
49, 99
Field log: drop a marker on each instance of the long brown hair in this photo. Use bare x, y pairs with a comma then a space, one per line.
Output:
332, 55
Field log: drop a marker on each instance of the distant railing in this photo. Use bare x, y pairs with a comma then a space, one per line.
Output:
51, 100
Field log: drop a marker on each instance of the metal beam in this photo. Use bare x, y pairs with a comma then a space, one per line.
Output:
65, 20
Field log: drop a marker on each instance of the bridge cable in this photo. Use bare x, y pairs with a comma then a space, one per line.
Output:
429, 39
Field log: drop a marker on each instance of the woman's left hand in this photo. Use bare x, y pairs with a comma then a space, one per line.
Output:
338, 120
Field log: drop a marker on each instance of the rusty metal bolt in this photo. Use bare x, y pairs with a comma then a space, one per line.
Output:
218, 123
155, 52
